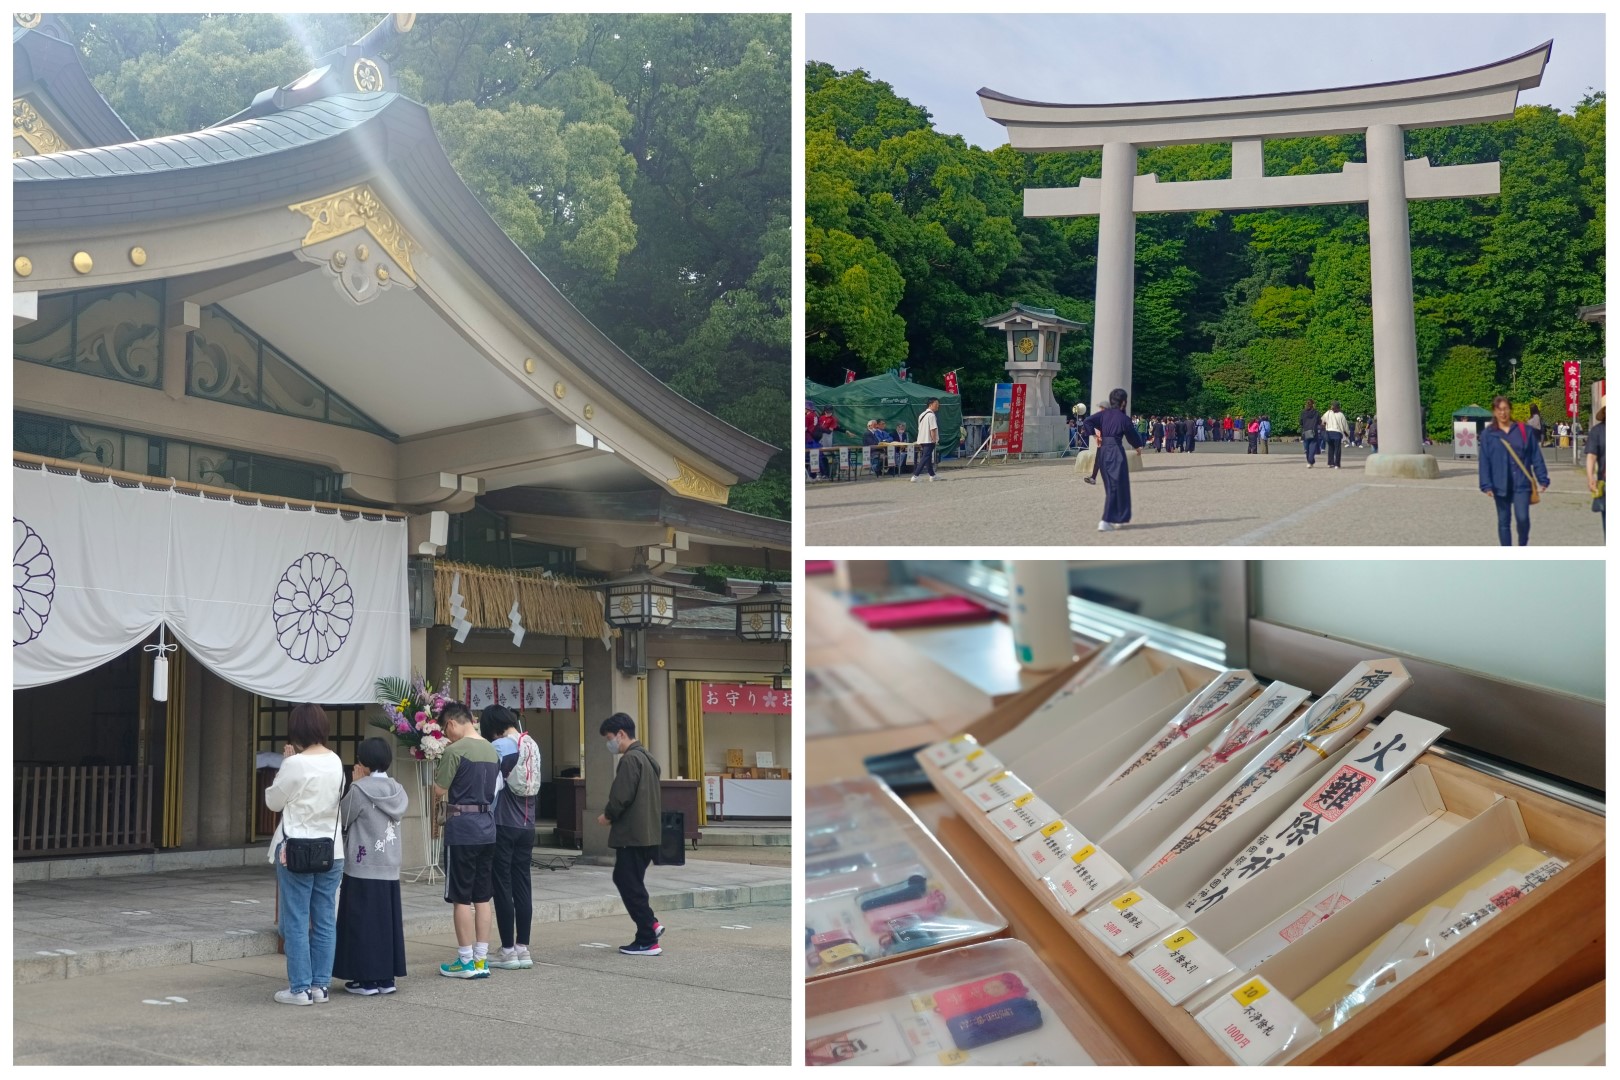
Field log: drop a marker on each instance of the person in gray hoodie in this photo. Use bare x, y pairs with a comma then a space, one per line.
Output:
370, 923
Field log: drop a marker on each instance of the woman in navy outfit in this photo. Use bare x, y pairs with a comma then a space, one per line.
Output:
1113, 426
1501, 477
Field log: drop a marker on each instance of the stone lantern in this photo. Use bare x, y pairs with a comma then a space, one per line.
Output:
1033, 337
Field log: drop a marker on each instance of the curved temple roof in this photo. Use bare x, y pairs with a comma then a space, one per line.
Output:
313, 149
1522, 71
53, 64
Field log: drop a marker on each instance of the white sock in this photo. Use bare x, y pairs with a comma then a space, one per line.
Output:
465, 952
522, 948
481, 950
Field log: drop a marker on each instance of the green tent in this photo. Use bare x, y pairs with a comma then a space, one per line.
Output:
813, 390
891, 399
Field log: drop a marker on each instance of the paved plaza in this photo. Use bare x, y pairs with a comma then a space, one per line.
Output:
720, 995
1218, 494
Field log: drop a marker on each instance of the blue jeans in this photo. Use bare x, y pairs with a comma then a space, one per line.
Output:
925, 459
309, 924
1310, 450
1516, 505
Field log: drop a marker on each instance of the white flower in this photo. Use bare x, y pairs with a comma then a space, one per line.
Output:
33, 583
314, 608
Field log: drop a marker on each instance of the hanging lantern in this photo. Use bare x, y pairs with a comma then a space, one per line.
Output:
639, 602
765, 616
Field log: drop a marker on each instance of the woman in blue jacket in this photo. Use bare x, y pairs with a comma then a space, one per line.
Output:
1502, 477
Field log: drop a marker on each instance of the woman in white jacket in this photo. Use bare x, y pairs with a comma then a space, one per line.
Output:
305, 794
1336, 427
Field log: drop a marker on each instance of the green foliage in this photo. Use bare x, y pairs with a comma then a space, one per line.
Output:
642, 161
1466, 376
1235, 312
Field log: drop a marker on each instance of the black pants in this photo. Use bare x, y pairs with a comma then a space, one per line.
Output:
1254, 442
629, 874
925, 459
1335, 444
514, 893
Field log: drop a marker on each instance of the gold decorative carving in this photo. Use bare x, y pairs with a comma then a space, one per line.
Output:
403, 22
30, 21
368, 77
82, 262
359, 208
340, 259
23, 265
695, 485
137, 256
32, 128
590, 412
382, 273
362, 252
528, 365
560, 390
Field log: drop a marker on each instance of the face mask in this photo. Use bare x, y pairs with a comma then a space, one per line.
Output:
613, 746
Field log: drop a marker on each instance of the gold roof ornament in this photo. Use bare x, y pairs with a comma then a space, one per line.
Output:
695, 485
358, 208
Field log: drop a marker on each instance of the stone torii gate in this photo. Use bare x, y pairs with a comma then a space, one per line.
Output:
1384, 182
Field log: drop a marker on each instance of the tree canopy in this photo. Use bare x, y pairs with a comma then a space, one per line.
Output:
913, 236
641, 161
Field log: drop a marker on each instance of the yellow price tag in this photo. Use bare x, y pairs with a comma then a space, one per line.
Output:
961, 738
952, 1057
922, 1003
1083, 854
840, 952
1176, 941
996, 779
975, 755
1250, 992
1024, 800
1127, 900
1052, 829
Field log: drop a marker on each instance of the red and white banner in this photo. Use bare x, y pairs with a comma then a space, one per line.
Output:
950, 383
745, 698
1015, 426
849, 376
1572, 386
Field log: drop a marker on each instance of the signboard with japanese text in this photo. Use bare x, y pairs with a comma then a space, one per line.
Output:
1572, 387
1015, 423
950, 383
1001, 417
745, 698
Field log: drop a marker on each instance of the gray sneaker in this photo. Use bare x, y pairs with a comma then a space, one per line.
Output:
287, 997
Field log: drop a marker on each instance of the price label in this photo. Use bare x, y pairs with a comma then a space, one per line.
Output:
952, 1057
1086, 876
1023, 816
1128, 920
1045, 851
1255, 1026
997, 791
973, 768
942, 754
1181, 965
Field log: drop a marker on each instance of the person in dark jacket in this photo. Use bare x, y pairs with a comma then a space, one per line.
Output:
1113, 426
514, 843
633, 814
1310, 424
1505, 479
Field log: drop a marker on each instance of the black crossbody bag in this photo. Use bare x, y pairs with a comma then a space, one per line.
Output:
312, 855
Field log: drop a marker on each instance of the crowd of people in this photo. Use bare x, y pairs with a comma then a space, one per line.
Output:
340, 912
891, 451
1170, 434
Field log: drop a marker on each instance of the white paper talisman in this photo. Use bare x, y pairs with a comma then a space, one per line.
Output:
1256, 1025
1129, 919
941, 754
1180, 965
1023, 816
1046, 848
1085, 877
997, 791
974, 767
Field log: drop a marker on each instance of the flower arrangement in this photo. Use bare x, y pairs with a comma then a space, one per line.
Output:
411, 711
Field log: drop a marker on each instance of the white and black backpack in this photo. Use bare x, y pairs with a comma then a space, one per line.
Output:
525, 777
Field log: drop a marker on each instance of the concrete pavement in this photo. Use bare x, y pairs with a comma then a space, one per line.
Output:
1218, 495
68, 928
720, 995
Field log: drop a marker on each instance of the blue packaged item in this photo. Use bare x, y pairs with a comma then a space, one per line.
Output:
992, 1024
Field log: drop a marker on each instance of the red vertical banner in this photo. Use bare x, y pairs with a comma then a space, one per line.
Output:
849, 376
1015, 426
950, 383
1572, 386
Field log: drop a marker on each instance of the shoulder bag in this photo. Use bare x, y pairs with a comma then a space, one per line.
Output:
1535, 490
312, 855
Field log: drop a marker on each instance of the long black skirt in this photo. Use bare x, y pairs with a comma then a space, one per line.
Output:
370, 932
1116, 478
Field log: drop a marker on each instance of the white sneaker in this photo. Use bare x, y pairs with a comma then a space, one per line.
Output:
932, 478
287, 997
1105, 526
319, 995
913, 478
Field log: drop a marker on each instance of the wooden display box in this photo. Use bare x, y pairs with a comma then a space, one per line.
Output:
735, 759
1527, 958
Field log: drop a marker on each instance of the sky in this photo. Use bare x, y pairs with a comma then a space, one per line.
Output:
939, 61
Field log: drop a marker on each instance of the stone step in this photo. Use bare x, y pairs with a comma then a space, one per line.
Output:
720, 835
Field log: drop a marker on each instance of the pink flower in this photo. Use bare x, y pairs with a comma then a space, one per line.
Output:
421, 717
438, 702
416, 752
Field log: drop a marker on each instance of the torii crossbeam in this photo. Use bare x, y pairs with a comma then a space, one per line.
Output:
1383, 111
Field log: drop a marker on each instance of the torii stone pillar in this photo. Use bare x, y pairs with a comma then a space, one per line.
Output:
1383, 110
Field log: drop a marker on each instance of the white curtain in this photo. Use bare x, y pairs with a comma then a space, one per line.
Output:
297, 605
